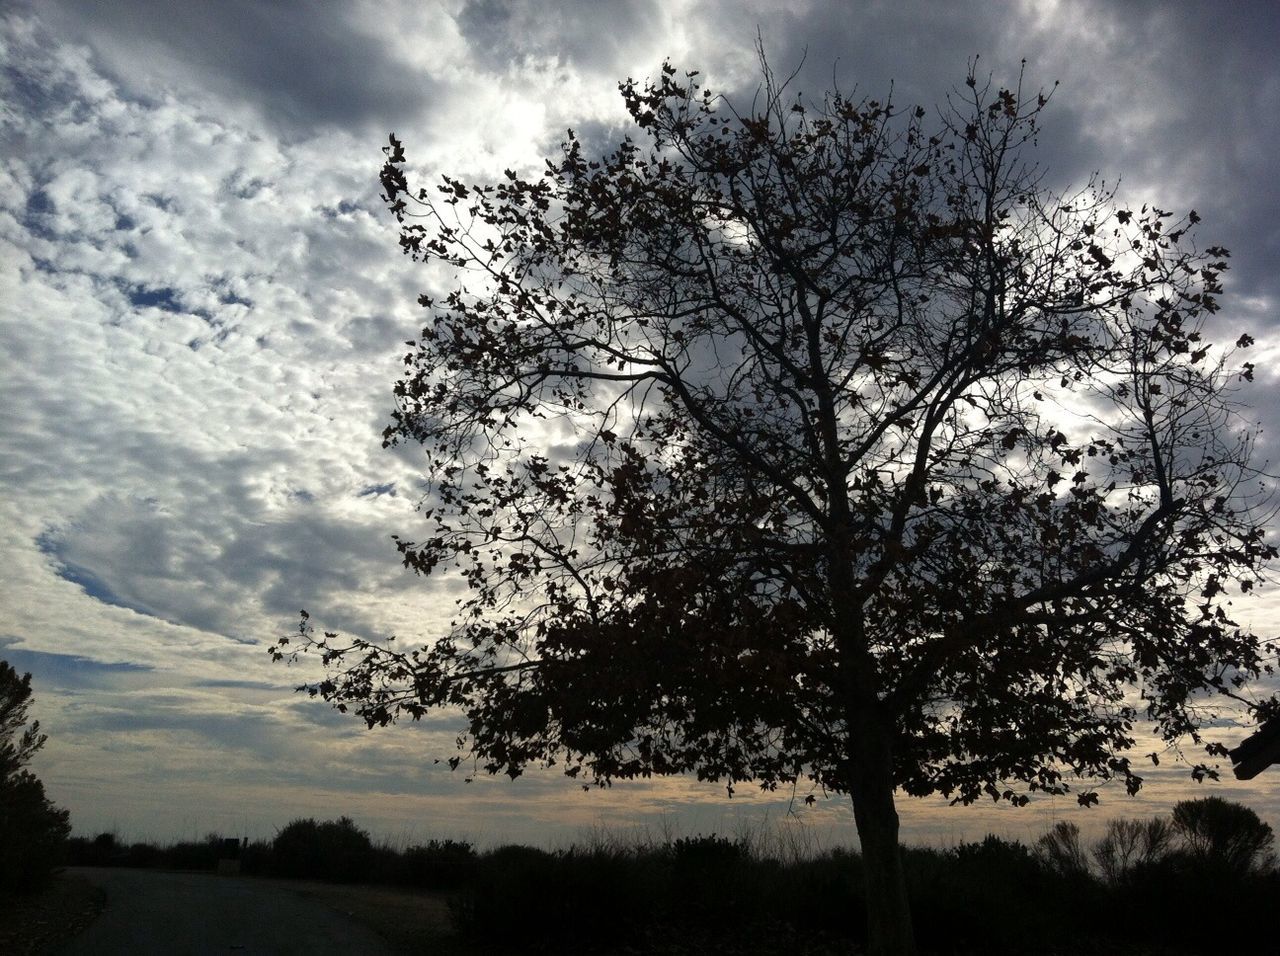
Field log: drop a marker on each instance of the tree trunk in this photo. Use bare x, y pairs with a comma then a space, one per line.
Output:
889, 930
869, 730
870, 775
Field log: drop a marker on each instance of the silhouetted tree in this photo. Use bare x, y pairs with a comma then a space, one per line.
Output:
1061, 850
1224, 834
33, 831
810, 442
1132, 844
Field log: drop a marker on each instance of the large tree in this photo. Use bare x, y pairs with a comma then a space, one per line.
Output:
818, 441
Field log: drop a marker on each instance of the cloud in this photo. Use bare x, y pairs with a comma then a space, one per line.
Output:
597, 36
203, 309
69, 670
301, 65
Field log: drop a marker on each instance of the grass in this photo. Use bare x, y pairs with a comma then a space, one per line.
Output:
413, 921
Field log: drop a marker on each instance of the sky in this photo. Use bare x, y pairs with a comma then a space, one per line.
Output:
203, 308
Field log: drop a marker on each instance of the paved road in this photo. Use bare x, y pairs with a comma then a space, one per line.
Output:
197, 914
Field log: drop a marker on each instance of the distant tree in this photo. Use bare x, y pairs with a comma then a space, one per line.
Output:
33, 831
808, 442
1225, 834
1061, 850
1129, 844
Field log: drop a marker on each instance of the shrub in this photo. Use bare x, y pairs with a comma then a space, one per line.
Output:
102, 850
192, 855
437, 865
335, 850
257, 859
698, 852
709, 892
144, 856
991, 893
515, 894
715, 881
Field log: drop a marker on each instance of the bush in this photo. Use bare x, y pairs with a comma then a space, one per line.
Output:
709, 893
336, 850
708, 852
437, 865
102, 850
991, 893
825, 893
190, 855
515, 894
713, 880
257, 859
144, 856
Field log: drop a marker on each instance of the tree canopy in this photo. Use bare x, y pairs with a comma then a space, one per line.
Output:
32, 830
821, 440
1225, 834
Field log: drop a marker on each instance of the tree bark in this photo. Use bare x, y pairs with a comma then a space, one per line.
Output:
889, 929
869, 771
870, 774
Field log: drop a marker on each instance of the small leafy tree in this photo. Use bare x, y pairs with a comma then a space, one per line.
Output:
33, 831
818, 441
1224, 834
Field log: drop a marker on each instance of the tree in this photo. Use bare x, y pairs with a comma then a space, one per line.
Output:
32, 830
1061, 851
1131, 844
1224, 834
818, 442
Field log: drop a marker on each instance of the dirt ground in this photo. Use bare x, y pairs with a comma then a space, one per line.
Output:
413, 922
37, 923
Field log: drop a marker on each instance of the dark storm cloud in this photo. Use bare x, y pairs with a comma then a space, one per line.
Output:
591, 34
916, 52
1183, 95
919, 46
1216, 69
303, 63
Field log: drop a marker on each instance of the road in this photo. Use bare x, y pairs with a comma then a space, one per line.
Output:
198, 914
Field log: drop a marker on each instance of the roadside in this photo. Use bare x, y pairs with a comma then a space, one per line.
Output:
41, 921
413, 922
101, 911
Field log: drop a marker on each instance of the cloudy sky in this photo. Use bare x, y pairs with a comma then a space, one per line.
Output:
203, 307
